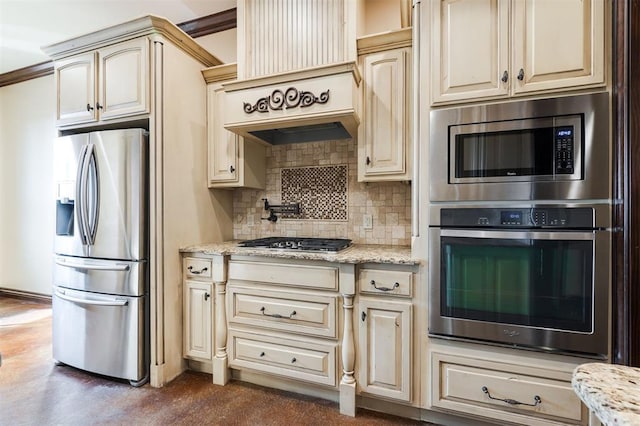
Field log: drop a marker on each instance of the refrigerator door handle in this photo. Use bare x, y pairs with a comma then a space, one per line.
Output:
79, 194
93, 194
110, 302
81, 265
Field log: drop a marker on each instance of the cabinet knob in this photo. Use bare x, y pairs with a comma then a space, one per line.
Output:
363, 316
368, 160
89, 107
232, 169
521, 74
207, 296
293, 360
261, 354
505, 76
98, 105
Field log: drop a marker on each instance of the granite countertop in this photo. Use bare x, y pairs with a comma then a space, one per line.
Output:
357, 253
610, 391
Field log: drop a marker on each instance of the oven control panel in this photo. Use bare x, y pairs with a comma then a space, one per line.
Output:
551, 217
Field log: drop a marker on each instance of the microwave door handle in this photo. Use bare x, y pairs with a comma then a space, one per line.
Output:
80, 265
111, 302
518, 235
79, 197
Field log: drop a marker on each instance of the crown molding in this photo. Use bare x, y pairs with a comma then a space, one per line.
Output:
198, 27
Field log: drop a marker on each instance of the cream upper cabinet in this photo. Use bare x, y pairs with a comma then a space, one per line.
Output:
557, 45
123, 79
501, 48
233, 161
384, 139
76, 86
108, 83
385, 348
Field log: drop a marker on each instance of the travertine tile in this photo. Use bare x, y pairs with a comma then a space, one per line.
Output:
388, 202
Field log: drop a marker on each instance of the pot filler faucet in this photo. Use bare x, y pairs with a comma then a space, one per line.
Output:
293, 208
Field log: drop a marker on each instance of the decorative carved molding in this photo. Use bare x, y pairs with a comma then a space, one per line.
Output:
290, 98
198, 27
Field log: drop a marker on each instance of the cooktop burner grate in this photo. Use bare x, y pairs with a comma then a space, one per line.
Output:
295, 243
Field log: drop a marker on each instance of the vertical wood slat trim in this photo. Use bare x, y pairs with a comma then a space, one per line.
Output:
288, 35
198, 27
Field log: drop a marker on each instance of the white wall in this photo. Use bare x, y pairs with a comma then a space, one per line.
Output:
27, 129
222, 45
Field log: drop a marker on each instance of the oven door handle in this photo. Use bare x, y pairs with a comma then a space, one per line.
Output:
520, 235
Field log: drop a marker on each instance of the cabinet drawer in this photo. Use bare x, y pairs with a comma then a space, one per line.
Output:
309, 361
300, 276
462, 385
195, 268
301, 313
392, 283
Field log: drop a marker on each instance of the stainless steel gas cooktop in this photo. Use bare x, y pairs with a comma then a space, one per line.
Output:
296, 243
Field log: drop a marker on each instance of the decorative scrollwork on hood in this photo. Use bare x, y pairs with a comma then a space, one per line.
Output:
291, 98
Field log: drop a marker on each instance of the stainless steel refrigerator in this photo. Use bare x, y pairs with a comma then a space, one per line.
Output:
100, 275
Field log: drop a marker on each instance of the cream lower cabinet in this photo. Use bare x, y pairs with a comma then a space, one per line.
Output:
111, 82
384, 140
198, 312
529, 391
282, 319
385, 348
385, 332
293, 320
501, 48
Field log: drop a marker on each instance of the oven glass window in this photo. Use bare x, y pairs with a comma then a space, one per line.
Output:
536, 283
527, 152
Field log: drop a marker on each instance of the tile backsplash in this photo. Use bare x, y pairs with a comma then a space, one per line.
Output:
321, 192
322, 176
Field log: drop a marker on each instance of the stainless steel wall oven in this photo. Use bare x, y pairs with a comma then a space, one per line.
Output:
520, 224
530, 276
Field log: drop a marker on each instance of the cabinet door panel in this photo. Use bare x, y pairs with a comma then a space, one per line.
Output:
75, 84
124, 79
385, 348
558, 44
223, 144
470, 42
386, 115
198, 319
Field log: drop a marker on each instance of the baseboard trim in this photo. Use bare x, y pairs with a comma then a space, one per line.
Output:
25, 295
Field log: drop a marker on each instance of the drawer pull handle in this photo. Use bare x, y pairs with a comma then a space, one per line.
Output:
261, 354
373, 283
201, 271
276, 315
509, 401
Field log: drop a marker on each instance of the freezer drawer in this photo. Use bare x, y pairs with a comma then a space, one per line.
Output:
100, 276
99, 333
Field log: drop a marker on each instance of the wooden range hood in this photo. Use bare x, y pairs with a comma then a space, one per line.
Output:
318, 103
298, 80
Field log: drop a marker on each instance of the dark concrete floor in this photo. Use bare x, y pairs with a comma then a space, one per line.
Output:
33, 391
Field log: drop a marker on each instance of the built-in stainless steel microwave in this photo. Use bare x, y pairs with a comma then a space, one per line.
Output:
550, 149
